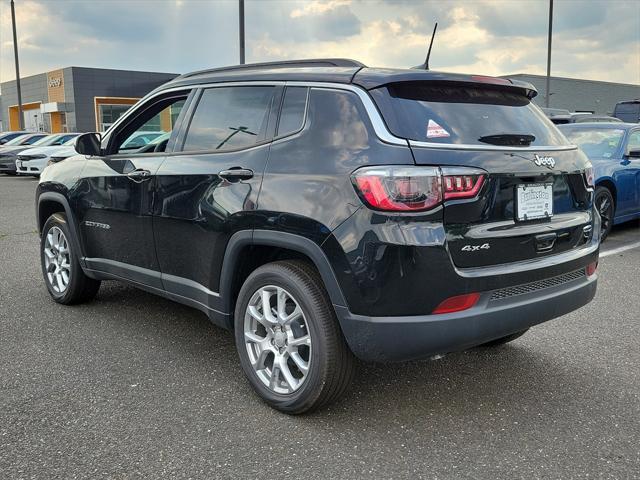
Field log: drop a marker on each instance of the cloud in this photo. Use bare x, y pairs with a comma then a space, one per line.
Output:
592, 38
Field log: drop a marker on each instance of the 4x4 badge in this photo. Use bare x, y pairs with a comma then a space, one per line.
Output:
544, 161
475, 248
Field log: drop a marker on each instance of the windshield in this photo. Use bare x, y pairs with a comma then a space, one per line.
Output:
46, 141
595, 142
16, 141
71, 141
453, 114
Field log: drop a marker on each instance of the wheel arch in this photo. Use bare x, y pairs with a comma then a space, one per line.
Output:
53, 202
248, 250
611, 186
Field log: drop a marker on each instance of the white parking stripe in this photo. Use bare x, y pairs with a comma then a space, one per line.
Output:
619, 249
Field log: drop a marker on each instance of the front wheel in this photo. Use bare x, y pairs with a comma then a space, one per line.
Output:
606, 208
288, 338
65, 280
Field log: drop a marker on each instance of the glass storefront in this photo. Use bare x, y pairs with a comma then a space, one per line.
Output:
108, 114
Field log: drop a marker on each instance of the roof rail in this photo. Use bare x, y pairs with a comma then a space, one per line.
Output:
311, 62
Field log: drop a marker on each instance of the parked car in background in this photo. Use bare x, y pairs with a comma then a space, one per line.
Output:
322, 209
9, 153
582, 118
23, 139
628, 111
614, 151
552, 112
8, 136
33, 160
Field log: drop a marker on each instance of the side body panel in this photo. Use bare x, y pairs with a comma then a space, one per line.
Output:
195, 214
307, 186
114, 211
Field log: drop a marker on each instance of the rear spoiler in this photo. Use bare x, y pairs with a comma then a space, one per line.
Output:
370, 78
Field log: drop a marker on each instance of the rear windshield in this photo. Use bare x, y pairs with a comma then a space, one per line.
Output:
595, 142
440, 113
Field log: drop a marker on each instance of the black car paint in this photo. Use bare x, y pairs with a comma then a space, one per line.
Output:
182, 231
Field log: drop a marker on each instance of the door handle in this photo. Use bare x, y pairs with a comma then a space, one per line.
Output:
139, 174
236, 173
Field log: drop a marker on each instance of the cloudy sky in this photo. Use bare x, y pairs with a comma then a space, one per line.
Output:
592, 39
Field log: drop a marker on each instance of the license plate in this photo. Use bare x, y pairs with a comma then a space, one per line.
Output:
534, 201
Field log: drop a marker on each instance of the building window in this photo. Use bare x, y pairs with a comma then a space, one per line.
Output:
108, 114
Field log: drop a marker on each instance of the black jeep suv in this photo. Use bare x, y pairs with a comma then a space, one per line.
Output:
324, 210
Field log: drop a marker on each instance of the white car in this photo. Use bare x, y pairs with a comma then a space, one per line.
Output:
34, 160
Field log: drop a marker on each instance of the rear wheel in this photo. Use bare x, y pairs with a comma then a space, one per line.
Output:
501, 341
288, 339
65, 280
606, 208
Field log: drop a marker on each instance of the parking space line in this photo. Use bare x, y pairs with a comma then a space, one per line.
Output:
619, 249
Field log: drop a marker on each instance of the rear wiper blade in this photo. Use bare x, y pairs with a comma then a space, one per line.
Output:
508, 139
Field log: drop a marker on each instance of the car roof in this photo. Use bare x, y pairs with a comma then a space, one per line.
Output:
334, 71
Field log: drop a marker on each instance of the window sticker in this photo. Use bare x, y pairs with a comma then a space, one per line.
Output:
436, 131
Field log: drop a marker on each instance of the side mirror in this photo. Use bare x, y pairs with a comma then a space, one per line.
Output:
89, 144
633, 153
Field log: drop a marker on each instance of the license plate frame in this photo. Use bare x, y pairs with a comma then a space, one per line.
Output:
534, 201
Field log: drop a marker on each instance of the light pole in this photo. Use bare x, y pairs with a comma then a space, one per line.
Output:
548, 87
15, 53
241, 29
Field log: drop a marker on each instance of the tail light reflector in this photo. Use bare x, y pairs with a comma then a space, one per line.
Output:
462, 186
457, 303
591, 268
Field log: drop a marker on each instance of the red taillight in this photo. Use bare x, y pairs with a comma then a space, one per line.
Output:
415, 188
457, 303
591, 268
399, 188
461, 186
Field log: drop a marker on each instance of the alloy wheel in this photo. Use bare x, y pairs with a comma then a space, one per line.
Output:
57, 261
277, 339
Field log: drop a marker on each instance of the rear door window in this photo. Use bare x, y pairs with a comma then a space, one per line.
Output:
474, 115
230, 118
293, 110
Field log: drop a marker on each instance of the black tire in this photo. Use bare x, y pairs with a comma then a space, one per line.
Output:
501, 341
331, 363
80, 288
605, 205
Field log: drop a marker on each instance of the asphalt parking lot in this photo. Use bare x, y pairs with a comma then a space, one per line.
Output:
132, 385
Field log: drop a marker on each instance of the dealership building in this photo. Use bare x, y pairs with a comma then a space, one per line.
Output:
75, 99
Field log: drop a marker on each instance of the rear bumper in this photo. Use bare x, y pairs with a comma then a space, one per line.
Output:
415, 337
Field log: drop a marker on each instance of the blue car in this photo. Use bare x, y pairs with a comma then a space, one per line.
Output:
614, 151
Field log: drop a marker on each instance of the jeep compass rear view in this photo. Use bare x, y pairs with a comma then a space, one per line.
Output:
323, 211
